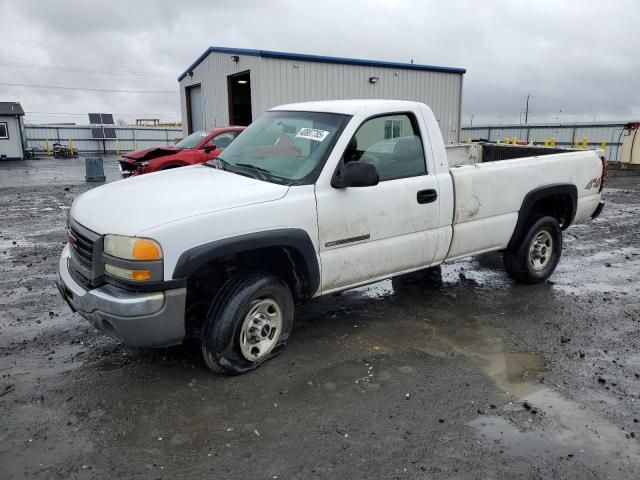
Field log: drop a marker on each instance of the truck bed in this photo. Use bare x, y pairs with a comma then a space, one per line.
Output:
489, 195
472, 153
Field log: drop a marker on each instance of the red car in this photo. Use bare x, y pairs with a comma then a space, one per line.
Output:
198, 147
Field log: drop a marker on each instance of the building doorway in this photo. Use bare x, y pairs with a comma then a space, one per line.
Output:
195, 109
239, 88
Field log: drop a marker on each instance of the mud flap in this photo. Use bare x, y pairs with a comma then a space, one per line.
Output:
597, 211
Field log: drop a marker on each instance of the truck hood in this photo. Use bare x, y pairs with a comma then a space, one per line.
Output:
133, 205
149, 154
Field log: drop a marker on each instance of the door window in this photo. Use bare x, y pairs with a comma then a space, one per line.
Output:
223, 140
392, 143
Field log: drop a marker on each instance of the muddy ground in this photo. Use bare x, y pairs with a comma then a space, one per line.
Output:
477, 378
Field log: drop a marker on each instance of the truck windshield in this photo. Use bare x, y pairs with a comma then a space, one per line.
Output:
192, 140
286, 147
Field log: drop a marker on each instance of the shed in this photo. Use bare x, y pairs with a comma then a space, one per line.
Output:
11, 131
233, 86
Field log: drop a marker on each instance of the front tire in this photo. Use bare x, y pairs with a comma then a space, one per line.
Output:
535, 259
248, 323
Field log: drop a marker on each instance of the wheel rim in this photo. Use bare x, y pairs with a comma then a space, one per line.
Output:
260, 329
541, 250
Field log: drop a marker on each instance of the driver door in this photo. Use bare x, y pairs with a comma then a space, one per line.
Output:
370, 233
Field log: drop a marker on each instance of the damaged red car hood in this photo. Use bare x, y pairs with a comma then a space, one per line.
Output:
150, 153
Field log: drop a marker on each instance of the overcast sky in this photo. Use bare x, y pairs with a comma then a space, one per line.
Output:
578, 59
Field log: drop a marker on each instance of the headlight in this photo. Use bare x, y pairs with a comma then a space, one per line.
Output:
132, 248
132, 258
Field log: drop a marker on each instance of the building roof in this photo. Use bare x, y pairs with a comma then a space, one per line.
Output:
11, 108
318, 58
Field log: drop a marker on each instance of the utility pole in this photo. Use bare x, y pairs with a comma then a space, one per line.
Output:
472, 119
526, 112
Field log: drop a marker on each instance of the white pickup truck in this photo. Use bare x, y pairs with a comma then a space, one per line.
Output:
312, 198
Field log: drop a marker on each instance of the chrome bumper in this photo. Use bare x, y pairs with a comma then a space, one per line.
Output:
137, 319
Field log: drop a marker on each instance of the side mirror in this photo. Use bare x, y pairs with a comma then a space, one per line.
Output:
209, 148
355, 174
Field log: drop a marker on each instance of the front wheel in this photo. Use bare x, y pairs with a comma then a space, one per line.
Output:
249, 322
538, 254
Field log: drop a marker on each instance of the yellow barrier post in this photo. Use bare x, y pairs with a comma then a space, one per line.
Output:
47, 147
584, 143
603, 145
71, 146
546, 142
506, 140
117, 147
553, 141
514, 140
576, 145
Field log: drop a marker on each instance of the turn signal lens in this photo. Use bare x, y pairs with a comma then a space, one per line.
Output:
125, 273
144, 249
141, 274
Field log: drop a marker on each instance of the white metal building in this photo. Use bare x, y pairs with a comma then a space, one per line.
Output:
234, 86
11, 131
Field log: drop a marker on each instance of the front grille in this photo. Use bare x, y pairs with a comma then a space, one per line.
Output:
86, 249
82, 246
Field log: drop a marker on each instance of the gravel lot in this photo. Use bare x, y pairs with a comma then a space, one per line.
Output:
474, 378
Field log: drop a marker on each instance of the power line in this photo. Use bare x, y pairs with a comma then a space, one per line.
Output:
70, 69
87, 89
68, 114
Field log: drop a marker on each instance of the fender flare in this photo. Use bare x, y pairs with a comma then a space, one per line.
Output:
291, 238
533, 197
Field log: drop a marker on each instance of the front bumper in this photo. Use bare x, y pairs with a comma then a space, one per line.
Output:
137, 319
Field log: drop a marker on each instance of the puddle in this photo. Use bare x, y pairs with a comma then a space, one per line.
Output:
514, 372
559, 426
568, 430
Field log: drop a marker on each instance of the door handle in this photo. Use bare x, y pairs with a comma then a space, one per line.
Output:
427, 196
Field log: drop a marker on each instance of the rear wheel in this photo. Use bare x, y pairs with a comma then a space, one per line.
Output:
538, 254
249, 322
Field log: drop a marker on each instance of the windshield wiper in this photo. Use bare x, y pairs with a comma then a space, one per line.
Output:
253, 167
218, 163
245, 169
263, 173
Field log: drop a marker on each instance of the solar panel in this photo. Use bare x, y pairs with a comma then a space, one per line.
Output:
97, 132
109, 132
101, 118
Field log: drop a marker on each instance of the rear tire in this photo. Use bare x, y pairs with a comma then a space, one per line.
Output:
535, 259
249, 322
